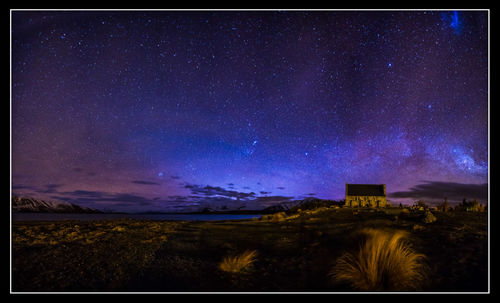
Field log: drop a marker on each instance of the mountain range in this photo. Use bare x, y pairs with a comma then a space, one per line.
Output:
20, 204
24, 204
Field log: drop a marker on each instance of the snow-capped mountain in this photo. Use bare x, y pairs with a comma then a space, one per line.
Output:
34, 205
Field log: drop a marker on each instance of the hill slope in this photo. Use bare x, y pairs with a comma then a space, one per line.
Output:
33, 205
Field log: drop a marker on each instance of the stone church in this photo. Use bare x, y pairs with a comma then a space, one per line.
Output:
365, 195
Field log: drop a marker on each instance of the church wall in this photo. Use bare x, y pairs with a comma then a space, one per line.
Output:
366, 201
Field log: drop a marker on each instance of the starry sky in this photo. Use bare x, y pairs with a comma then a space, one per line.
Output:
180, 110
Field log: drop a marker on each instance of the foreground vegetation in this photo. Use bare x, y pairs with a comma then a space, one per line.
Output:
384, 262
304, 250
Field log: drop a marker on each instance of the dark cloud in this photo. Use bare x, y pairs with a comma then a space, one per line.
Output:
264, 192
16, 187
51, 188
178, 198
219, 198
129, 198
186, 207
263, 202
280, 187
221, 202
274, 199
175, 177
200, 197
126, 198
51, 185
99, 197
216, 201
145, 182
86, 193
117, 199
311, 194
48, 189
217, 191
440, 190
60, 198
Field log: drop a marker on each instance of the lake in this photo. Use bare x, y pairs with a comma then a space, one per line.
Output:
162, 217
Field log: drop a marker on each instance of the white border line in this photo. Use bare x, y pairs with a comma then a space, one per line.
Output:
217, 292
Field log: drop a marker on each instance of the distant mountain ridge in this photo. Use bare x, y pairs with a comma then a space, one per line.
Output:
313, 203
305, 204
22, 204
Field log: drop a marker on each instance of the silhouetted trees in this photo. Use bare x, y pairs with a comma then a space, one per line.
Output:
473, 206
445, 206
420, 205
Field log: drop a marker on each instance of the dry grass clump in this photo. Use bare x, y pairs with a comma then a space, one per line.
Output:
276, 217
239, 263
384, 262
429, 217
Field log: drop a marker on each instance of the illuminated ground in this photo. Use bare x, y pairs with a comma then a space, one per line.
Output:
294, 253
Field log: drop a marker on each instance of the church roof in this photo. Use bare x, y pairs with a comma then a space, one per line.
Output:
365, 190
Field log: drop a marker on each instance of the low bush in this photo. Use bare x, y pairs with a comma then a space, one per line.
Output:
472, 206
237, 264
420, 205
385, 261
429, 217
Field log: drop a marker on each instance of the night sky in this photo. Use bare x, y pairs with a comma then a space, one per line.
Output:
180, 110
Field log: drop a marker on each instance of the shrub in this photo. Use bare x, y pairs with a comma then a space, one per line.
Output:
429, 217
420, 205
384, 261
313, 203
266, 217
444, 206
276, 217
473, 206
236, 264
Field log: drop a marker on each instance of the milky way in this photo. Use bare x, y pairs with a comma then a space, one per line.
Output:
176, 110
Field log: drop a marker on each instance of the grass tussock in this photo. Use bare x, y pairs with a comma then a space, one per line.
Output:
384, 262
239, 263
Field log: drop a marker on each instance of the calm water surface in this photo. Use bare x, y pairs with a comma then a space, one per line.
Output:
87, 217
